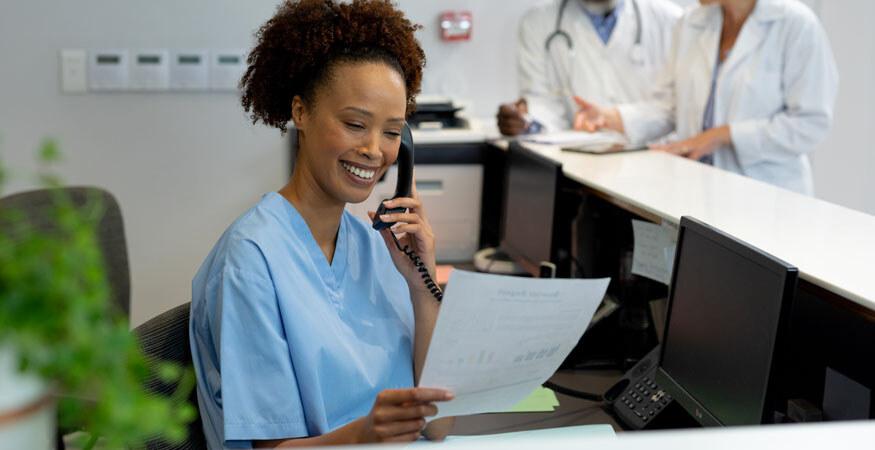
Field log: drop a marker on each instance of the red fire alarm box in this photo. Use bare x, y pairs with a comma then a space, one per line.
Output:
456, 25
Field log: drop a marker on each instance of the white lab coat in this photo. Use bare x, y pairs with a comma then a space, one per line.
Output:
607, 74
776, 90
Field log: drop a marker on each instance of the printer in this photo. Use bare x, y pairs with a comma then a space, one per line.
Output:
437, 113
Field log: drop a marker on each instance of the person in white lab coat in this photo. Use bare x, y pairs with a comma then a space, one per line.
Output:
750, 88
606, 50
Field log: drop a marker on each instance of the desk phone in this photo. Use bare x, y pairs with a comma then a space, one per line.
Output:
636, 399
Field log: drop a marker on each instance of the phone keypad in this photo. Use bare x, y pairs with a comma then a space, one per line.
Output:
645, 399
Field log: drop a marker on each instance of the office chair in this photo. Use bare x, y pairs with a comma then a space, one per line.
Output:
110, 233
165, 338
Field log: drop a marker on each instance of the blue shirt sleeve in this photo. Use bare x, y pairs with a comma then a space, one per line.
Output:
259, 390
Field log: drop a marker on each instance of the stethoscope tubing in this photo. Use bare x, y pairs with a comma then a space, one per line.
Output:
559, 32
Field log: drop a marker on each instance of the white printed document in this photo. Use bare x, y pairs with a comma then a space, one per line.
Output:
497, 338
653, 255
575, 138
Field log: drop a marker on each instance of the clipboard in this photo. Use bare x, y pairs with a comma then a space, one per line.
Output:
605, 148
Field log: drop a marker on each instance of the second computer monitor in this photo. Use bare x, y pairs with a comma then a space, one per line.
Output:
728, 304
529, 208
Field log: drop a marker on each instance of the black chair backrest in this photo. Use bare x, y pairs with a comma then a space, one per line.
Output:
165, 338
111, 232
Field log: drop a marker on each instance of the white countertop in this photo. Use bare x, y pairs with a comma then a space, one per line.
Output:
818, 436
479, 130
448, 136
833, 246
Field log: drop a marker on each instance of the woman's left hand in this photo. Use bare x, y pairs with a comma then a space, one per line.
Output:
413, 230
699, 145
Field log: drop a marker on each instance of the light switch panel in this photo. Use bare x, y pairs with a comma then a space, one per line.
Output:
108, 70
226, 69
190, 70
74, 71
150, 70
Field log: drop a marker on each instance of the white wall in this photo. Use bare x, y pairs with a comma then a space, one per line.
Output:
845, 163
184, 166
482, 70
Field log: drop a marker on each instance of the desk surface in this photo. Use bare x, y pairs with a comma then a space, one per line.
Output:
832, 246
571, 411
838, 435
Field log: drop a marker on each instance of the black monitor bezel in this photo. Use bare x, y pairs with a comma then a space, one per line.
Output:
532, 267
790, 273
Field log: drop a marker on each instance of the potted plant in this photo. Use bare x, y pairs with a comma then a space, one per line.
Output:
62, 347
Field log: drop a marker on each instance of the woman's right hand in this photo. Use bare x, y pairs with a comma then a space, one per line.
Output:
591, 117
398, 415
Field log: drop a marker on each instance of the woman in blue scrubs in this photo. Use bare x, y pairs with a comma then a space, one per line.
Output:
307, 326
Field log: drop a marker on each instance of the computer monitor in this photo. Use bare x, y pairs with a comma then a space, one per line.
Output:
529, 208
728, 307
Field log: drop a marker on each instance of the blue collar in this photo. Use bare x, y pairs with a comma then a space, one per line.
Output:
604, 24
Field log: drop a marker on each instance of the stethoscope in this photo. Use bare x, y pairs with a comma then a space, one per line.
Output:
637, 53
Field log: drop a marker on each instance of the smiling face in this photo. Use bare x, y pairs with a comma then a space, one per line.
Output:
350, 134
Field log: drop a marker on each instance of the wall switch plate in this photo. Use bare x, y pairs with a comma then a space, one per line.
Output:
150, 70
108, 70
190, 70
226, 69
74, 71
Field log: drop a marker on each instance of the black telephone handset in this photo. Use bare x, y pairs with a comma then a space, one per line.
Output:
405, 179
403, 189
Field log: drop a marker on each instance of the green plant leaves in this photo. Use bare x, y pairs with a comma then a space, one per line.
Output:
55, 311
49, 152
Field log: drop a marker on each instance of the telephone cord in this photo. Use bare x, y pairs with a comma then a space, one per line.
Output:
573, 392
420, 267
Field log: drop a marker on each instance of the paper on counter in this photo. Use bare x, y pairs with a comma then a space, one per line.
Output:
498, 338
574, 138
653, 255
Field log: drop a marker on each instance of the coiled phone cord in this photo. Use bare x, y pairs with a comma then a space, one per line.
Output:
420, 267
573, 392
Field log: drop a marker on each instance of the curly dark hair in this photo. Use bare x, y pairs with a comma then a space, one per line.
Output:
299, 47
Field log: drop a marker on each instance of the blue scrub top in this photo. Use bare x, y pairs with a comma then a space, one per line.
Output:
287, 345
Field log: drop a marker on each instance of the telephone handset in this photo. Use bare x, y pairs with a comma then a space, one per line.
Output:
403, 189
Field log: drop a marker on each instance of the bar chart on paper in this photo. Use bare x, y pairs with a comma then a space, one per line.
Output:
536, 354
479, 359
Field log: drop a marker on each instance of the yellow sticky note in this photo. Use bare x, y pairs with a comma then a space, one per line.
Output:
541, 400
